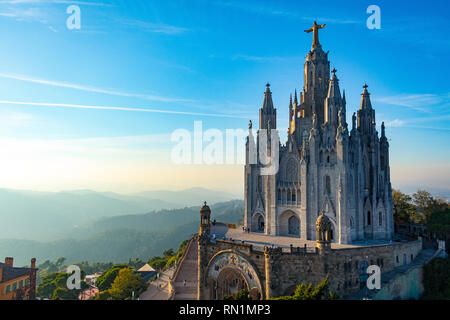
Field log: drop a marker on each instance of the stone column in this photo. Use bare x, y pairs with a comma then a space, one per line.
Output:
268, 272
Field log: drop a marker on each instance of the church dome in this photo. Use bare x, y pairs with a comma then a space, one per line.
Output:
323, 223
205, 209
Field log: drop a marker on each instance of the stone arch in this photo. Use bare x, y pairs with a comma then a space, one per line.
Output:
289, 224
258, 222
229, 271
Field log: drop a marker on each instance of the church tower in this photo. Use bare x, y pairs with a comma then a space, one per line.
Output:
322, 166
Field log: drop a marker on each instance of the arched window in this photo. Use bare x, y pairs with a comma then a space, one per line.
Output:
289, 195
381, 218
293, 196
299, 195
368, 218
279, 194
351, 222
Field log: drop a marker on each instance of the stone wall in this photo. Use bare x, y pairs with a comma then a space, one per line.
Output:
281, 270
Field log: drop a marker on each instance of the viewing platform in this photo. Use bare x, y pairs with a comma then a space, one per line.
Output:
224, 231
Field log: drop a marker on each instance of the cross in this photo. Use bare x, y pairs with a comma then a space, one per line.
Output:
365, 86
204, 203
315, 28
334, 70
267, 84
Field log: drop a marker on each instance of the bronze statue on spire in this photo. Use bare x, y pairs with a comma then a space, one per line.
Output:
315, 28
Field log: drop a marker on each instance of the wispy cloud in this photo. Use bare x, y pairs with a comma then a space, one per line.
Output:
84, 3
134, 109
91, 89
394, 123
419, 121
257, 58
418, 102
267, 10
156, 27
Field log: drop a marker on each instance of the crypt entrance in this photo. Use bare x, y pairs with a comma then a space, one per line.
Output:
230, 281
229, 273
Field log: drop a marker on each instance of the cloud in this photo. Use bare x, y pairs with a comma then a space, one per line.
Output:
279, 12
156, 27
84, 3
10, 119
394, 123
257, 58
78, 106
418, 102
91, 89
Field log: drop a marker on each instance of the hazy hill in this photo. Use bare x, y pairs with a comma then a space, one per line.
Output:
49, 215
117, 239
189, 197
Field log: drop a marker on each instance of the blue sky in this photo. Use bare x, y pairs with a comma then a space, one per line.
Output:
205, 61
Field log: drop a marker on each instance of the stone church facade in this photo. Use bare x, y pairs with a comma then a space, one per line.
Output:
323, 166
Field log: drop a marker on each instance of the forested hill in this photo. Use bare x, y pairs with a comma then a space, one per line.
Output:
120, 238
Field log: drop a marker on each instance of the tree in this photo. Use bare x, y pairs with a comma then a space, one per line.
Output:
436, 279
169, 253
424, 203
244, 294
54, 287
307, 292
439, 223
404, 210
105, 281
125, 284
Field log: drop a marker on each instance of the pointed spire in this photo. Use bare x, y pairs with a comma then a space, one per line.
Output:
268, 103
295, 98
365, 99
383, 130
333, 102
268, 111
343, 98
354, 121
334, 73
333, 89
291, 110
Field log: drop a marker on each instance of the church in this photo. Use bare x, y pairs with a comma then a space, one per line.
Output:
324, 166
323, 208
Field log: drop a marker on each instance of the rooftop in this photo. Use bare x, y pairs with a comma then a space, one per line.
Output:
10, 273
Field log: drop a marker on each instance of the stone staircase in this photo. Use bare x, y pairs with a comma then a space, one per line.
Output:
184, 282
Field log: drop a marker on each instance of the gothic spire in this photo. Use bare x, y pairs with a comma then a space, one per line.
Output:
295, 98
365, 99
333, 89
333, 102
267, 112
268, 103
291, 110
